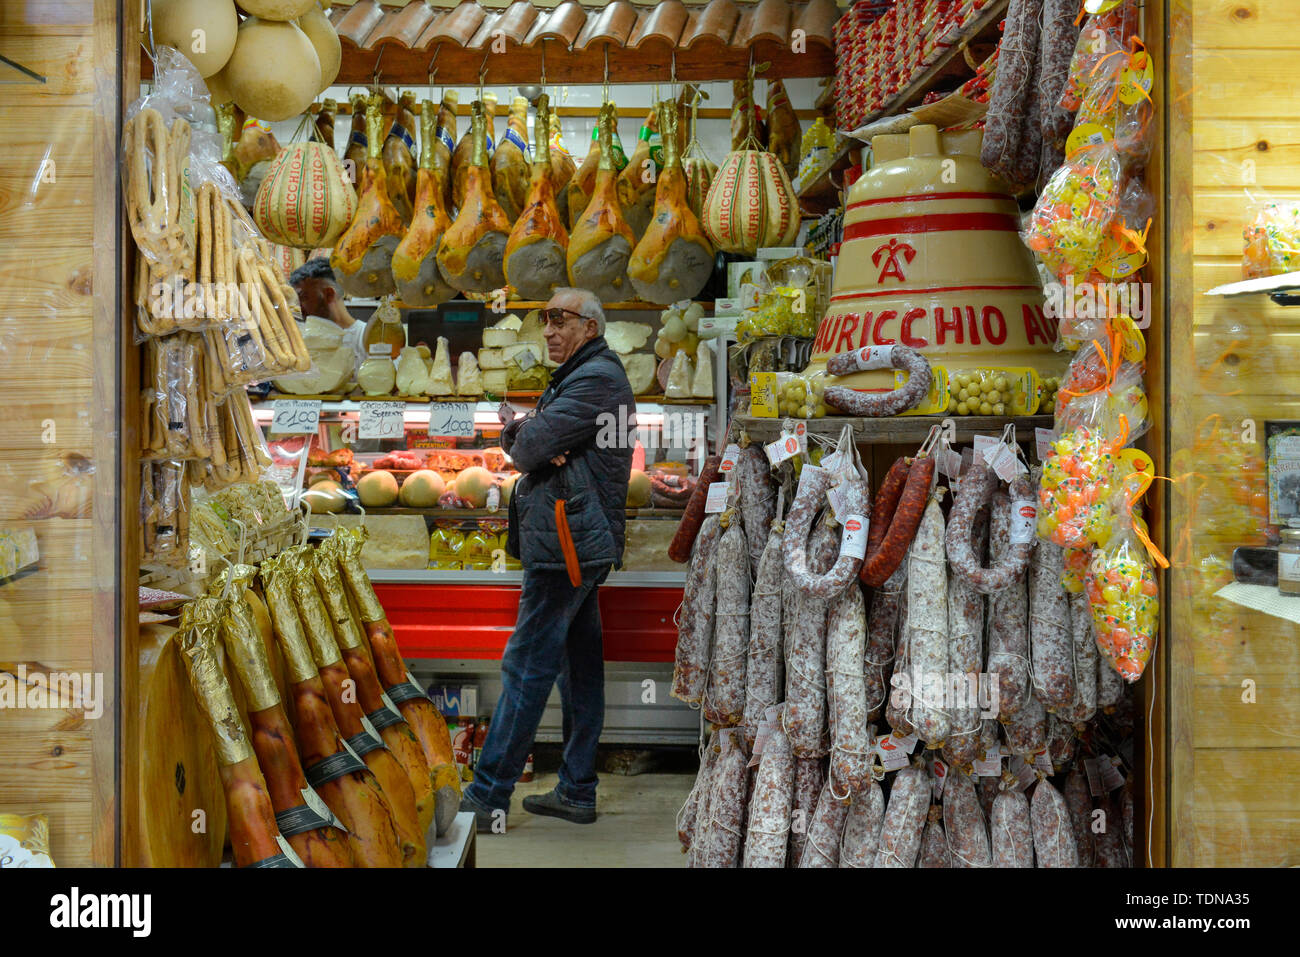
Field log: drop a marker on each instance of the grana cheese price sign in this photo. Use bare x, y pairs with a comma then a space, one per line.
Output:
295, 416
451, 418
381, 420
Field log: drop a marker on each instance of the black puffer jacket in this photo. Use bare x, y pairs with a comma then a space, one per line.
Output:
578, 414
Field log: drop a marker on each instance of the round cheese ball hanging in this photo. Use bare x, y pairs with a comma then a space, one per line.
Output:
306, 200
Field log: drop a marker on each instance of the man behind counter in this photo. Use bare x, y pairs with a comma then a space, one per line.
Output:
320, 295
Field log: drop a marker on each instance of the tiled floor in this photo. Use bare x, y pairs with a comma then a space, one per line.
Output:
636, 827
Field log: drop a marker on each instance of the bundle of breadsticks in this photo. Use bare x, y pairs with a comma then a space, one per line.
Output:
164, 514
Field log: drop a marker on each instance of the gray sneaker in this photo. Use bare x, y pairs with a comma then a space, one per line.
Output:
551, 804
484, 816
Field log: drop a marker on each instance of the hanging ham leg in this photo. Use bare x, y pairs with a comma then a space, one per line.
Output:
399, 157
463, 154
636, 184
472, 253
510, 162
415, 262
602, 241
784, 137
363, 255
444, 145
535, 254
562, 169
673, 260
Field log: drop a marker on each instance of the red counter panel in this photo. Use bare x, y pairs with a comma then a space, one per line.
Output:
474, 621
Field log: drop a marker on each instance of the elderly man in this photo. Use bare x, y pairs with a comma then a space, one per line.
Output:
320, 295
557, 637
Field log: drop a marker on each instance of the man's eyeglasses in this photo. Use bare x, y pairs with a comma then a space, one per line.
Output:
557, 317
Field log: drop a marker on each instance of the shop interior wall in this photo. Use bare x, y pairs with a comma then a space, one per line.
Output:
58, 448
1234, 782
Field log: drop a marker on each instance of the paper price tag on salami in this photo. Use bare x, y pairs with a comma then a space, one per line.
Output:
873, 357
985, 442
729, 456
1042, 762
832, 462
940, 777
907, 743
1023, 772
716, 499
991, 765
381, 420
1024, 522
1092, 770
295, 416
788, 445
835, 496
766, 725
1043, 439
947, 462
854, 541
892, 757
1002, 460
1110, 776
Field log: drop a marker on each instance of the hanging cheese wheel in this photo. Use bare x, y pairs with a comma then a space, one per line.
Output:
325, 39
177, 22
751, 204
274, 73
305, 201
277, 9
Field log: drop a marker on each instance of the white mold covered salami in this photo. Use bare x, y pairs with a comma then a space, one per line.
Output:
770, 806
934, 845
688, 816
724, 698
1108, 841
1012, 548
964, 823
695, 631
882, 633
809, 778
757, 498
825, 830
763, 671
1025, 732
829, 583
846, 634
805, 667
966, 657
908, 396
927, 629
1011, 832
1008, 622
1051, 644
1079, 804
1053, 834
909, 803
861, 838
1084, 706
723, 836
1110, 686
900, 698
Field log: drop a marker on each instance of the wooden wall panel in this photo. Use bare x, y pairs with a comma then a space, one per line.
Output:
59, 359
1234, 769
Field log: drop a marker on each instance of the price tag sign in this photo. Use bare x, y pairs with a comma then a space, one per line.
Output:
940, 777
985, 442
1042, 762
295, 416
451, 419
991, 766
716, 500
892, 757
1044, 438
1003, 461
381, 420
525, 359
729, 456
948, 462
786, 447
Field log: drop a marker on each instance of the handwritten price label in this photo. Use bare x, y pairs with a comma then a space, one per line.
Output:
295, 416
451, 419
381, 420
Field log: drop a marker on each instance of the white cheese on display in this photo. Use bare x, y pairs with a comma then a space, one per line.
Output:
491, 359
440, 382
412, 374
530, 330
495, 381
377, 376
640, 372
702, 387
501, 335
627, 337
525, 355
469, 380
332, 360
679, 377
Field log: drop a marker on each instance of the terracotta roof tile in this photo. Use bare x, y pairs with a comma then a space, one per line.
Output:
818, 20
483, 36
403, 26
614, 24
565, 23
665, 22
768, 20
359, 20
518, 20
717, 22
457, 26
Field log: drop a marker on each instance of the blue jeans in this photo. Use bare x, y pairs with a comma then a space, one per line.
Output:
557, 639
